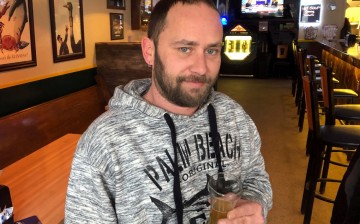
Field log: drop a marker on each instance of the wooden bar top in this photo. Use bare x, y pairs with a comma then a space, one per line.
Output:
340, 46
350, 54
38, 182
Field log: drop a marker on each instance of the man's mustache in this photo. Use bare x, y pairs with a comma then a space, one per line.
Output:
193, 78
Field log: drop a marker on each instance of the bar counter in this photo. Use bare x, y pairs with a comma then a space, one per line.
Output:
336, 47
347, 53
343, 60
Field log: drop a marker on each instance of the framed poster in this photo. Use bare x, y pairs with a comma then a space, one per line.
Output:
116, 26
67, 30
115, 4
17, 49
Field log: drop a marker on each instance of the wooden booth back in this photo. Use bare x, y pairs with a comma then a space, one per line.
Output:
24, 132
117, 64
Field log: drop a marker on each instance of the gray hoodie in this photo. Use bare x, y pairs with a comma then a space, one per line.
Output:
123, 169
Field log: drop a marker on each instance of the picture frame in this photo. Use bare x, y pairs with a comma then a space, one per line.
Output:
18, 48
67, 30
116, 26
145, 12
116, 4
140, 14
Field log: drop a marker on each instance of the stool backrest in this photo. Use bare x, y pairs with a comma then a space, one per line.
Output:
327, 86
310, 66
301, 60
311, 105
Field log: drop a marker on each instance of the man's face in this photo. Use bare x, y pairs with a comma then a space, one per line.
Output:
187, 58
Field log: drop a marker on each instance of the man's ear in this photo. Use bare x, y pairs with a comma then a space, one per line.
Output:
148, 50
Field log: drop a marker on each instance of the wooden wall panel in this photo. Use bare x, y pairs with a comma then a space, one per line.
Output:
118, 63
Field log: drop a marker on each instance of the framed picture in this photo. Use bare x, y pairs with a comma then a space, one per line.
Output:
116, 26
145, 12
17, 49
115, 4
140, 14
67, 30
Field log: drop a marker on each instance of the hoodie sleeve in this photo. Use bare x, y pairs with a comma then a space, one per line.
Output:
256, 184
89, 195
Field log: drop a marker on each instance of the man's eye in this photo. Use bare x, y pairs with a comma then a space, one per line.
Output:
212, 51
184, 49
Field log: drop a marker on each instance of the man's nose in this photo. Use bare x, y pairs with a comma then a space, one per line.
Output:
199, 64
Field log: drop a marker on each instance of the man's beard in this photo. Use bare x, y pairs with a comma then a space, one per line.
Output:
171, 88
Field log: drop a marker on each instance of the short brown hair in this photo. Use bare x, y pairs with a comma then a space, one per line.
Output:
159, 14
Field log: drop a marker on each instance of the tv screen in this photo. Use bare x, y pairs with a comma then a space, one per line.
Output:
265, 8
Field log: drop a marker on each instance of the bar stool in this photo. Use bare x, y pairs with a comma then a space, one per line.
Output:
339, 93
319, 138
342, 112
295, 76
299, 97
313, 67
300, 70
346, 113
305, 69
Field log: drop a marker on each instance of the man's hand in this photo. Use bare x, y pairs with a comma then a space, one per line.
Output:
245, 212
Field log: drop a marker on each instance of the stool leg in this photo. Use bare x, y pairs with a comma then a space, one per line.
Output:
299, 91
325, 169
306, 192
309, 172
301, 113
300, 101
308, 143
293, 85
317, 163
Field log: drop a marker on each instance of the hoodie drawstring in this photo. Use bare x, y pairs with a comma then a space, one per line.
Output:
215, 139
215, 135
176, 187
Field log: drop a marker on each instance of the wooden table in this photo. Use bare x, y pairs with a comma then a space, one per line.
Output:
38, 182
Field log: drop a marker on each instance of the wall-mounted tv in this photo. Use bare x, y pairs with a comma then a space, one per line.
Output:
263, 8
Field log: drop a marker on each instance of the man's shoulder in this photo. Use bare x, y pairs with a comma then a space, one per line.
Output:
108, 121
222, 98
226, 104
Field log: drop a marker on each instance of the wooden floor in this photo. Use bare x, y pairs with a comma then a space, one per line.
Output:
271, 105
